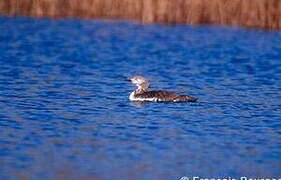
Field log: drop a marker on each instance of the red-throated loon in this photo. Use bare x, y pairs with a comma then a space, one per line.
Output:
143, 94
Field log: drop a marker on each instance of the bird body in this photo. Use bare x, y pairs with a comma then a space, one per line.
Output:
143, 94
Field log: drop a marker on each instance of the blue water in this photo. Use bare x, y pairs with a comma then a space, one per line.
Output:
65, 113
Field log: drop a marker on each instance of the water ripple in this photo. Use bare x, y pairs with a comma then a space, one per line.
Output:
64, 105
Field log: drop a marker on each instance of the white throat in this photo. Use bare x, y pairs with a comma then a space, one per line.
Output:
143, 87
132, 96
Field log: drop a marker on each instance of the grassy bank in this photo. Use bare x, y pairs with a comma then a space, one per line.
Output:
249, 13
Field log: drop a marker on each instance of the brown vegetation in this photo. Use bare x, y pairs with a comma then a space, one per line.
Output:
250, 13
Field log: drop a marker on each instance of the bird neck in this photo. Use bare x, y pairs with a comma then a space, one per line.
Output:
141, 88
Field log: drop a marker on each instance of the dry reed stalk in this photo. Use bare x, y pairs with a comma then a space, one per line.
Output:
250, 13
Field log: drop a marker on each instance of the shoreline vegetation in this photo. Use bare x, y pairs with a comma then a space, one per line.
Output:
247, 13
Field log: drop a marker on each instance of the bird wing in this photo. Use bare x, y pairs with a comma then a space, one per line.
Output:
158, 95
165, 96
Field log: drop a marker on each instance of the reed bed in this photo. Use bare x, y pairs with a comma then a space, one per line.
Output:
249, 13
